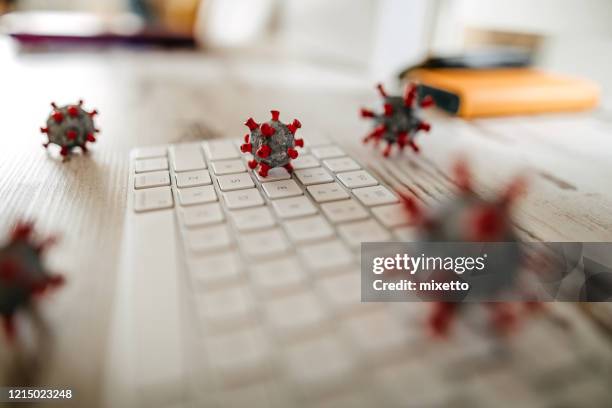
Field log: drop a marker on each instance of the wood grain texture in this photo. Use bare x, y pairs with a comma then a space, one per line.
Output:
153, 97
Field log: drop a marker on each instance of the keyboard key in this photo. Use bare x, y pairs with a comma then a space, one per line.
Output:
220, 150
150, 152
326, 255
282, 189
376, 195
343, 211
227, 307
308, 229
341, 164
197, 195
327, 152
214, 269
153, 199
392, 216
239, 356
305, 161
275, 174
148, 180
317, 366
243, 199
193, 179
317, 175
356, 179
293, 207
343, 292
409, 234
253, 219
327, 192
188, 158
202, 215
264, 244
146, 165
364, 231
278, 275
208, 239
377, 332
235, 181
228, 167
289, 315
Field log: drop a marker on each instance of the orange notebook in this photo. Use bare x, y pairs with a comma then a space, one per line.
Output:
505, 91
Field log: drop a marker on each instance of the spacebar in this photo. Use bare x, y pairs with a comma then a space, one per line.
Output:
147, 313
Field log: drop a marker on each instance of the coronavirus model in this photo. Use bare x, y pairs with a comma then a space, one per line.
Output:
70, 127
272, 144
23, 276
399, 122
472, 218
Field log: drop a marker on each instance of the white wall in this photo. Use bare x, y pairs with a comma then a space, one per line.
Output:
379, 36
402, 35
555, 18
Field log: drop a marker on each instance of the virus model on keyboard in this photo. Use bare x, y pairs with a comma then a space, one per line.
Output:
472, 218
23, 276
399, 122
272, 144
70, 127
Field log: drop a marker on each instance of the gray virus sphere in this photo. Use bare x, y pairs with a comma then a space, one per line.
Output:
70, 127
22, 273
472, 218
399, 123
272, 144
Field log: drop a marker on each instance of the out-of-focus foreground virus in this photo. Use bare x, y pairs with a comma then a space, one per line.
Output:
23, 276
399, 123
70, 127
272, 144
472, 218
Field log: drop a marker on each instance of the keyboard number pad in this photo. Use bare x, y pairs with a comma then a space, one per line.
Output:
146, 165
153, 199
193, 179
155, 179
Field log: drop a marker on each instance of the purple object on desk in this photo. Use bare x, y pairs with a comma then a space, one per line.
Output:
166, 40
70, 29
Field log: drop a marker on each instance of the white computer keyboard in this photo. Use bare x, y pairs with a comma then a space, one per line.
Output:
221, 204
270, 292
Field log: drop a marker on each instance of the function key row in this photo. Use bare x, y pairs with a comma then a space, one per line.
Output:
191, 156
157, 198
187, 158
194, 181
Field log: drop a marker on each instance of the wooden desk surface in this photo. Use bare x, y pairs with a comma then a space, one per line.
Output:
147, 98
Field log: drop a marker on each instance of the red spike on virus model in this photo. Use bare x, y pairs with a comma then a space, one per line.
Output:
399, 122
272, 144
22, 274
70, 127
472, 218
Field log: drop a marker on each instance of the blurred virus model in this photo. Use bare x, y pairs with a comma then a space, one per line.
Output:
400, 122
272, 144
472, 218
22, 274
69, 127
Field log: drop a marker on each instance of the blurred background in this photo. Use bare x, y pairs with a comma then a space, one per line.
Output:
380, 37
209, 64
